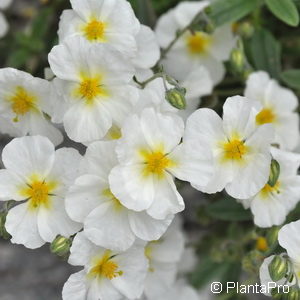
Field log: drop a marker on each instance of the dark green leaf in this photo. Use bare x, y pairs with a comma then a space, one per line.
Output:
228, 210
285, 10
228, 11
266, 52
292, 78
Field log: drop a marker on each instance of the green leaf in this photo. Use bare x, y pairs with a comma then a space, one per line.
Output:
266, 53
291, 78
227, 11
228, 210
285, 10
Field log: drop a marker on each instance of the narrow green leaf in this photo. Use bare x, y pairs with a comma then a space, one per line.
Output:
227, 11
284, 10
228, 210
291, 78
266, 53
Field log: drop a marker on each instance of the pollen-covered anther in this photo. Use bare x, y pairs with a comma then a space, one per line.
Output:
94, 30
198, 42
234, 150
265, 116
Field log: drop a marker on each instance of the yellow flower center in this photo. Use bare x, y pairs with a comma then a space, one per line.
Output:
198, 43
267, 190
22, 102
94, 31
261, 244
116, 202
90, 88
155, 162
105, 267
234, 150
265, 116
38, 194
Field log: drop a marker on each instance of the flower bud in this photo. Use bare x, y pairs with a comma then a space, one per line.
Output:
246, 30
276, 294
61, 245
278, 268
176, 97
274, 172
3, 233
237, 60
294, 294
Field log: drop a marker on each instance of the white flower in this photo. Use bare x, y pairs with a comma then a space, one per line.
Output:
197, 84
149, 155
288, 238
278, 107
193, 49
95, 88
110, 22
107, 222
163, 255
35, 172
272, 204
234, 148
3, 23
107, 274
24, 100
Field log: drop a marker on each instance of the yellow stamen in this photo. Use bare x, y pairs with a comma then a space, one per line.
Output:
22, 102
234, 150
155, 162
90, 88
198, 43
267, 190
38, 193
94, 31
105, 267
265, 116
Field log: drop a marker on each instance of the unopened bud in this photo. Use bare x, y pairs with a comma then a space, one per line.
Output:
61, 245
276, 294
274, 172
246, 30
278, 268
237, 60
294, 294
176, 97
3, 233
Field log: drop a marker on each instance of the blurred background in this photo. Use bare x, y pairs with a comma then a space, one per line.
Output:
37, 275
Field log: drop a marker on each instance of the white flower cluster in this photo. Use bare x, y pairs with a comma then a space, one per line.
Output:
120, 198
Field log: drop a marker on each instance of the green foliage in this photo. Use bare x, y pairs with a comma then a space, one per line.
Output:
291, 78
265, 52
227, 11
285, 10
228, 210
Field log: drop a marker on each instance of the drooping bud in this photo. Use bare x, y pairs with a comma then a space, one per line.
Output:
278, 268
176, 97
274, 172
3, 233
61, 245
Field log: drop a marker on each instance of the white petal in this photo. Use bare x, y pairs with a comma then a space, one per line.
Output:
147, 228
161, 130
167, 200
108, 227
131, 188
29, 155
82, 250
134, 265
21, 223
55, 221
75, 287
85, 123
84, 196
289, 239
10, 186
3, 25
